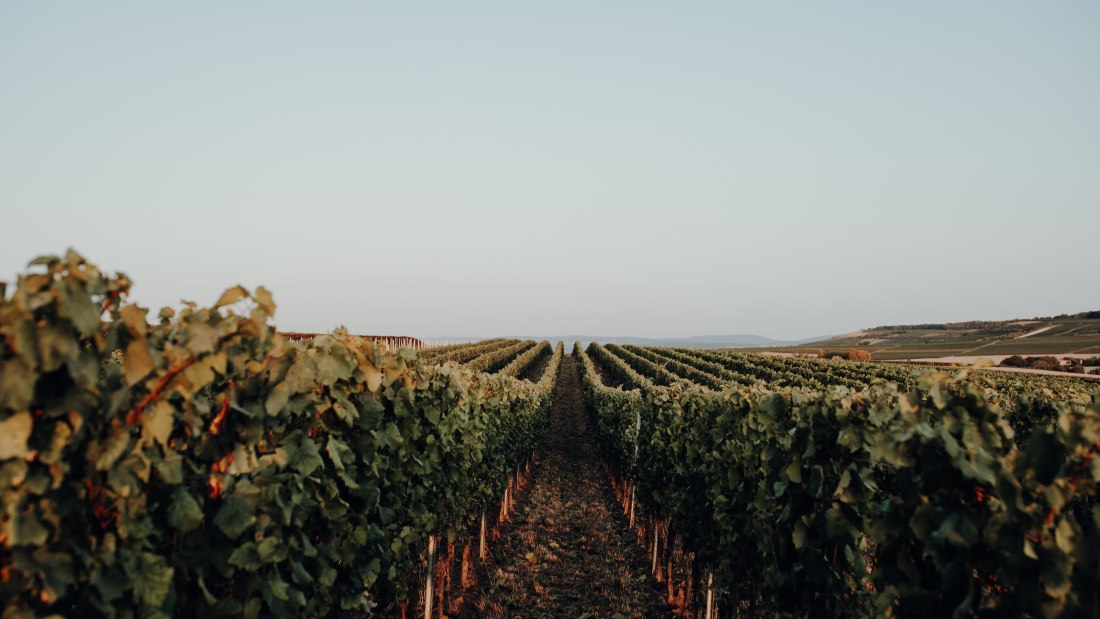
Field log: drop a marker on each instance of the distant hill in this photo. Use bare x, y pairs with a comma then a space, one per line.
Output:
695, 341
1067, 334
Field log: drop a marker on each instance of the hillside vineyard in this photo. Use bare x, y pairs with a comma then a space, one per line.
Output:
200, 464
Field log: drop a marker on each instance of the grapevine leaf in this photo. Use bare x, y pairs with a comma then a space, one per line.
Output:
235, 516
157, 424
277, 399
113, 449
265, 301
184, 513
14, 433
338, 452
267, 548
136, 363
27, 529
303, 455
134, 317
78, 306
373, 376
153, 581
231, 296
245, 557
170, 468
798, 535
16, 385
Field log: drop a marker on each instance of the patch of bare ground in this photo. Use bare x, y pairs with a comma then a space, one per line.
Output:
567, 551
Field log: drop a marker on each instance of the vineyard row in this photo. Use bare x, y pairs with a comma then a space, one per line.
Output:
759, 485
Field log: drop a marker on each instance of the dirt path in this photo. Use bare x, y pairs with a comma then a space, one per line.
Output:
567, 551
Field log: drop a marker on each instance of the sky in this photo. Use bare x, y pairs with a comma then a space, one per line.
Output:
658, 169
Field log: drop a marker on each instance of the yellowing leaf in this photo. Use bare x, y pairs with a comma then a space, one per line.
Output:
157, 425
373, 375
1029, 549
134, 319
231, 296
136, 362
265, 301
201, 373
14, 433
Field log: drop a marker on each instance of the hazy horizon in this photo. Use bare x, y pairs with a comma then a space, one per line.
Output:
785, 170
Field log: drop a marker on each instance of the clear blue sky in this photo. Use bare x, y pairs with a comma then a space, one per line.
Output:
655, 169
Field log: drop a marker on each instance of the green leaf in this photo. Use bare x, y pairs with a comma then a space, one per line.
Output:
278, 588
835, 523
170, 468
78, 306
798, 536
331, 368
16, 385
267, 548
391, 436
277, 399
794, 471
235, 516
184, 513
246, 557
27, 529
153, 581
338, 452
304, 456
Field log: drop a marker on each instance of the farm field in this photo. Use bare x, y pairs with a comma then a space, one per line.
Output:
584, 311
1053, 336
205, 465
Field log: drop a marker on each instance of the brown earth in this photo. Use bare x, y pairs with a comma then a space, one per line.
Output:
567, 551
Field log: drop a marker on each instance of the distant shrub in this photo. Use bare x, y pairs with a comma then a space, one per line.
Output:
1045, 363
1035, 363
858, 355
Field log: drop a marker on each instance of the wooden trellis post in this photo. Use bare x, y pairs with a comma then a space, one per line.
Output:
429, 582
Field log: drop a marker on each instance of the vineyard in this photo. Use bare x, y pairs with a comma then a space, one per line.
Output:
768, 486
203, 464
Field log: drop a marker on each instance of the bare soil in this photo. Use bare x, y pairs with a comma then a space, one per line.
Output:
567, 551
